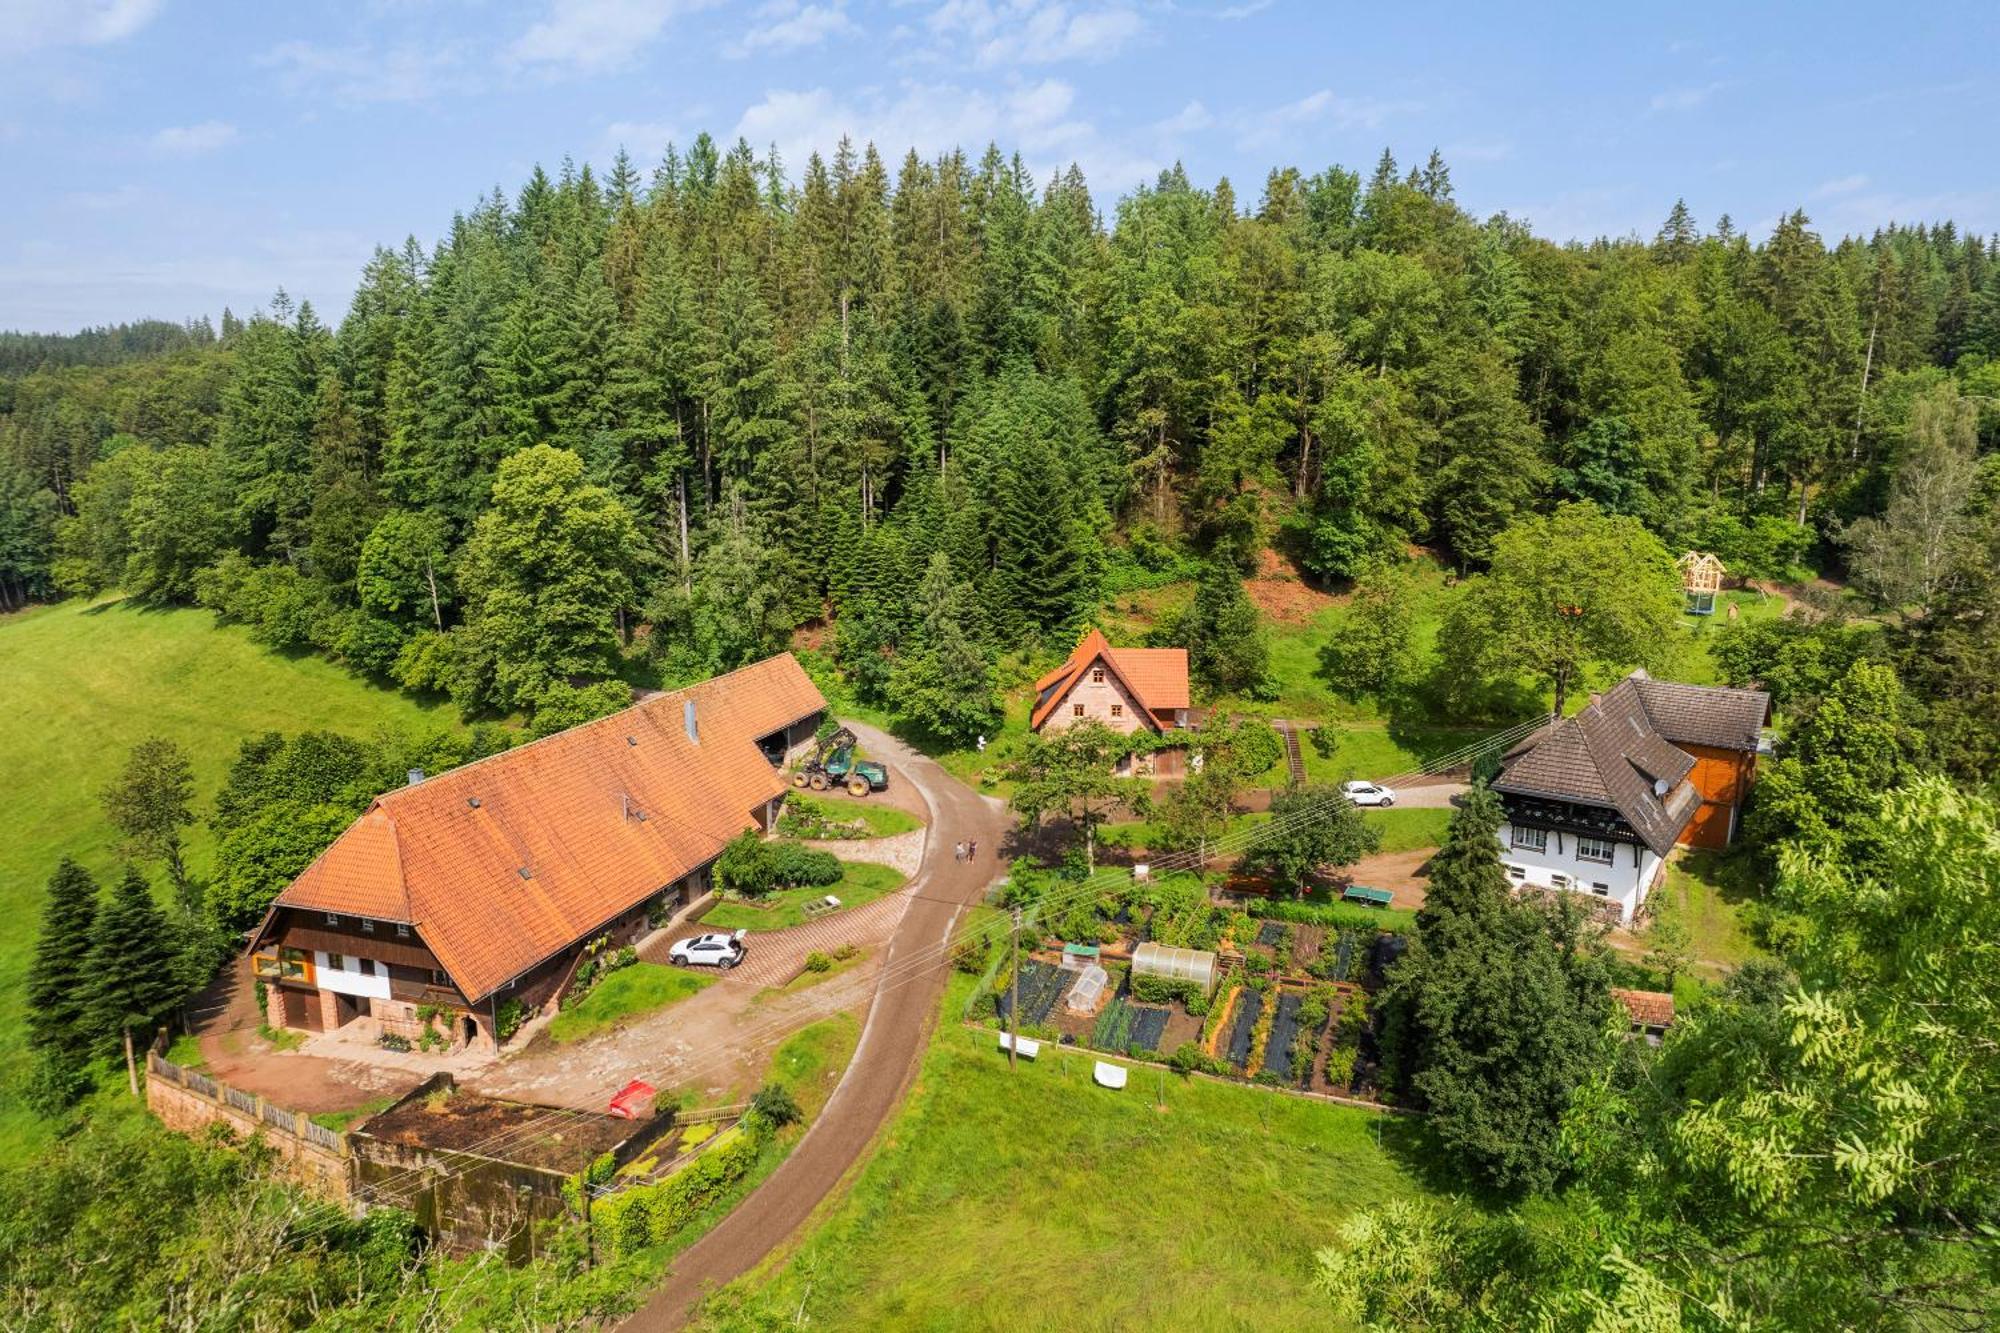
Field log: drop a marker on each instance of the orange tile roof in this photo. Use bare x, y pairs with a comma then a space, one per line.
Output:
1649, 1008
446, 855
1157, 677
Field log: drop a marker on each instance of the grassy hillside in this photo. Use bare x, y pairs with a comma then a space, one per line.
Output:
1102, 1205
82, 683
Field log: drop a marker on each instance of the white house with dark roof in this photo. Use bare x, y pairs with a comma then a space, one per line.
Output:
1595, 801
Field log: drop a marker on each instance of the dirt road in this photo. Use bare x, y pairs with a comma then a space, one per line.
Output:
899, 1018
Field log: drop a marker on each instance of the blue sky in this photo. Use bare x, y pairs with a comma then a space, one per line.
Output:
168, 157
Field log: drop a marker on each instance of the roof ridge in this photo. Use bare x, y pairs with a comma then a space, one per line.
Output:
583, 728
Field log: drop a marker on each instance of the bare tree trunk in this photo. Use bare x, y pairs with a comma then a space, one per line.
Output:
681, 486
430, 577
1867, 364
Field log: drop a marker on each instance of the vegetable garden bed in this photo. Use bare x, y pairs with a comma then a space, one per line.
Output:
1249, 1007
1042, 987
1284, 1030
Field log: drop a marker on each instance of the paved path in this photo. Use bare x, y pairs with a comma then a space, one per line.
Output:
899, 1020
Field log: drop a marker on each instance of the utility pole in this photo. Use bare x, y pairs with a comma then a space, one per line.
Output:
1014, 1002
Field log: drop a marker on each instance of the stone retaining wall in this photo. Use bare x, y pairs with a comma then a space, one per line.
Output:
188, 1101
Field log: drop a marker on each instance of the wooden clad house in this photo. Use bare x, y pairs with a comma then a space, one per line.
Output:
1595, 801
483, 884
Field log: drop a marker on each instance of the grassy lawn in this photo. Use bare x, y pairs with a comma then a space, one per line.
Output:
879, 820
83, 683
185, 1051
1408, 830
339, 1121
997, 1200
1695, 664
637, 989
808, 979
1707, 892
863, 883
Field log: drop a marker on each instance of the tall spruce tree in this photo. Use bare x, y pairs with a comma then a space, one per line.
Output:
59, 977
132, 968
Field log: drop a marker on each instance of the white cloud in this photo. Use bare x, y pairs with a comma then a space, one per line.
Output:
1686, 99
189, 140
1032, 32
1324, 108
29, 25
1840, 185
1194, 116
788, 26
406, 72
595, 34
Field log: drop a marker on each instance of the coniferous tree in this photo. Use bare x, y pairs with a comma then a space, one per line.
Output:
941, 680
59, 977
131, 965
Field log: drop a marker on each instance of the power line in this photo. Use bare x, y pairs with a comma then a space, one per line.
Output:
915, 966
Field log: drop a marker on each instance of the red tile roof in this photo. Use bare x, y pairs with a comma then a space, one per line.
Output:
1156, 677
505, 861
1649, 1008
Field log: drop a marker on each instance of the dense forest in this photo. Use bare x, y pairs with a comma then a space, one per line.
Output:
621, 425
623, 429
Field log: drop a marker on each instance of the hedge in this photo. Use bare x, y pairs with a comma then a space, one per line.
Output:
645, 1215
1336, 914
796, 867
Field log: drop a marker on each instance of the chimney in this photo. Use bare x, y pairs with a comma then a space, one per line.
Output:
416, 775
687, 720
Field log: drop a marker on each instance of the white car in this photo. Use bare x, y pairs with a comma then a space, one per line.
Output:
721, 952
1367, 793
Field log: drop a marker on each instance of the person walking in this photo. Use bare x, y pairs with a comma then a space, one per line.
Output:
958, 851
972, 850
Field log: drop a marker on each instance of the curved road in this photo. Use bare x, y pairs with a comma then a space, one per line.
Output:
892, 1040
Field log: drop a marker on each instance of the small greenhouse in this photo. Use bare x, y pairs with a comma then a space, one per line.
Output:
1089, 986
1158, 960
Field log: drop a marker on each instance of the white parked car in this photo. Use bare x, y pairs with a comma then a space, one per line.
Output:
718, 951
1367, 793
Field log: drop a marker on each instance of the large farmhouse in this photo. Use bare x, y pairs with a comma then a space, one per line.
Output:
482, 885
1595, 801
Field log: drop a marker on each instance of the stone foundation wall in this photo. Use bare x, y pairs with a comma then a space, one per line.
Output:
190, 1102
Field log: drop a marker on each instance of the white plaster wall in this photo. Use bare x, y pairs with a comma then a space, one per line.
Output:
347, 979
1626, 882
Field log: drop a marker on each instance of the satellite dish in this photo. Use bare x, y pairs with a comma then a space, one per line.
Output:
1659, 786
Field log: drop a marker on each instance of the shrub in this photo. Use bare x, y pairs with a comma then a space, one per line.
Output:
507, 1019
794, 866
393, 1041
845, 952
1340, 1066
746, 866
818, 962
968, 955
774, 1107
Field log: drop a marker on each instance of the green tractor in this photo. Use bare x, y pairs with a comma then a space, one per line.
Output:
832, 764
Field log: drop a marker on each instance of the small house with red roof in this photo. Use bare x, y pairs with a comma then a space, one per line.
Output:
1126, 689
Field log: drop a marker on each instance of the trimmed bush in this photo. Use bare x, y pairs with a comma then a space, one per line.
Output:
793, 866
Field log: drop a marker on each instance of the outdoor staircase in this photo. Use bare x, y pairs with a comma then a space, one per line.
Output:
1295, 757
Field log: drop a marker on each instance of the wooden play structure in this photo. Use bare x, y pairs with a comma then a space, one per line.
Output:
1701, 579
